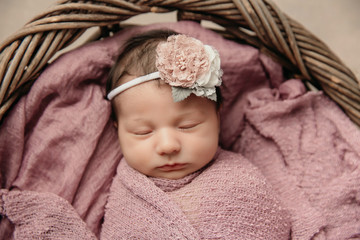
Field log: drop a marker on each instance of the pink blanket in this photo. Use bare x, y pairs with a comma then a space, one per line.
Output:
59, 139
310, 152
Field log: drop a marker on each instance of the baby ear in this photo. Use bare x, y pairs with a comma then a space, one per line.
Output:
115, 124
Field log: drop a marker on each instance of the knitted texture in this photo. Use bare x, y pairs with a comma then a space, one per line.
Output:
230, 199
42, 216
309, 151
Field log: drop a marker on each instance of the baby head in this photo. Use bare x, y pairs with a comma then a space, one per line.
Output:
165, 97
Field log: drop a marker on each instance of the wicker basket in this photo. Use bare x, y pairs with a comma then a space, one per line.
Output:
257, 22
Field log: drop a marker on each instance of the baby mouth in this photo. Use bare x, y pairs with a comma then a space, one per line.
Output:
172, 167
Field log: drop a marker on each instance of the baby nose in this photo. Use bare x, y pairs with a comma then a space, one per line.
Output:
168, 142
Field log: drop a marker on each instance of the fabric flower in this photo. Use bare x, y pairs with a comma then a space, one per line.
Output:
189, 66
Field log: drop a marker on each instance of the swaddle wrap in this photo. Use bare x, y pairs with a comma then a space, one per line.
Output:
229, 199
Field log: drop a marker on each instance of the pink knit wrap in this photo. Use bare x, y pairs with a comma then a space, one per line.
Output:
229, 199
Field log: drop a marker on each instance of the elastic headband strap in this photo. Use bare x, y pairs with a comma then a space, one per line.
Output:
113, 93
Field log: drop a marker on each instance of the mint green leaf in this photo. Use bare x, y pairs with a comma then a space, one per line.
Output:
180, 94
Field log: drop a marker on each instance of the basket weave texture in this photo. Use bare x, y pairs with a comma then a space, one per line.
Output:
259, 23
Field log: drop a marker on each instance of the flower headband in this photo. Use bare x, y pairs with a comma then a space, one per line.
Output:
187, 65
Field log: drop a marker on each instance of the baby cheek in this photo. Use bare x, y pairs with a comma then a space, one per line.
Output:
134, 146
204, 147
130, 148
138, 156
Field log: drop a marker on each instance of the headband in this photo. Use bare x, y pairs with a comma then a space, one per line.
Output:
187, 65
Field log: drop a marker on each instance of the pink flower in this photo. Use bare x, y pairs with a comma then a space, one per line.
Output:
182, 60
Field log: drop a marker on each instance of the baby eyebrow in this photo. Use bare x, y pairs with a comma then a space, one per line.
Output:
192, 114
138, 120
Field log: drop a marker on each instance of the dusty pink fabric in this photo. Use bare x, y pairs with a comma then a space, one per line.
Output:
42, 216
229, 199
56, 139
309, 150
59, 138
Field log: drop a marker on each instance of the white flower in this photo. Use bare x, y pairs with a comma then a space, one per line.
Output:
212, 77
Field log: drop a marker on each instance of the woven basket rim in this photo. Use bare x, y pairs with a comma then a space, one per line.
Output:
259, 23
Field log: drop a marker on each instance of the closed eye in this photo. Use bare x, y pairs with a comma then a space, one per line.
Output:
142, 132
188, 126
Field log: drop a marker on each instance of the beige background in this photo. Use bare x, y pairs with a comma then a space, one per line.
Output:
336, 22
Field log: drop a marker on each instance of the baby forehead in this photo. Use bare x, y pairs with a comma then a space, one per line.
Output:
157, 97
146, 90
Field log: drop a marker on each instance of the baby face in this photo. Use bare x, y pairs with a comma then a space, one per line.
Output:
161, 138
